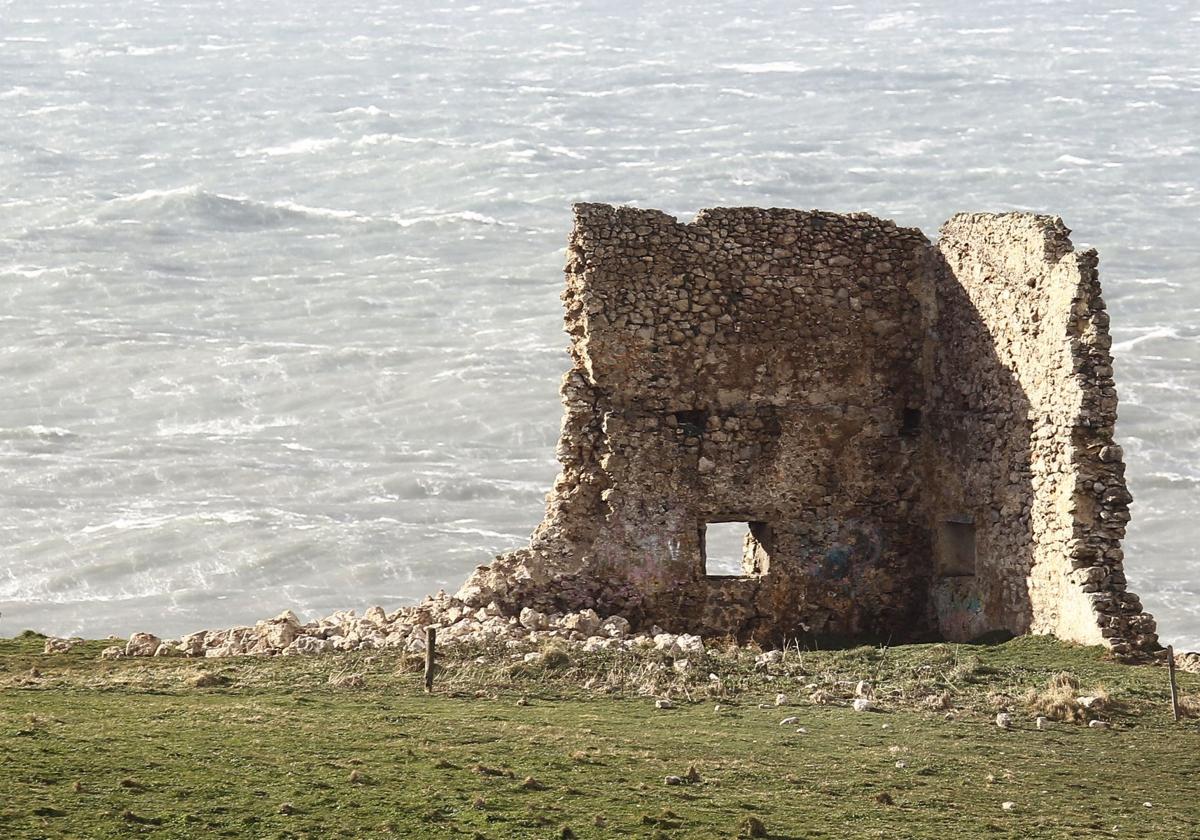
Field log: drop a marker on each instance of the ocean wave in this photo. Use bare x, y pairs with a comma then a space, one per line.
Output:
458, 217
129, 523
36, 432
29, 272
220, 208
144, 51
224, 428
304, 146
243, 211
1152, 334
890, 21
767, 67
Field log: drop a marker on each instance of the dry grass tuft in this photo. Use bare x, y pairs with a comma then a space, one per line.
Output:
965, 670
1189, 706
208, 679
1056, 704
939, 702
1057, 701
753, 827
555, 656
347, 680
1063, 679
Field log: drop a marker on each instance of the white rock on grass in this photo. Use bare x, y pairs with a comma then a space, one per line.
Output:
1004, 720
277, 633
374, 615
668, 643
112, 652
862, 704
142, 644
307, 645
788, 721
781, 699
586, 622
192, 644
663, 703
531, 619
771, 657
615, 627
1041, 722
1097, 724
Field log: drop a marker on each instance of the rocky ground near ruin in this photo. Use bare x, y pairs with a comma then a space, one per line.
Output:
545, 733
455, 623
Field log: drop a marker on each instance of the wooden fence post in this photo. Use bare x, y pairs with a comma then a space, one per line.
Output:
430, 642
1174, 687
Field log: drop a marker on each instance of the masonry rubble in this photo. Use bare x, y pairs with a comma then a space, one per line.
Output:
917, 437
404, 629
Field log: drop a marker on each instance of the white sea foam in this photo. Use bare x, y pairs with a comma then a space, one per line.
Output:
233, 427
1152, 334
304, 146
456, 217
767, 67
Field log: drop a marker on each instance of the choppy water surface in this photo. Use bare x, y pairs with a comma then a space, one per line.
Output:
279, 280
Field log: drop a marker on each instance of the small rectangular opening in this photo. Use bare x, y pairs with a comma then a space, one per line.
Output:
691, 423
956, 557
735, 549
910, 422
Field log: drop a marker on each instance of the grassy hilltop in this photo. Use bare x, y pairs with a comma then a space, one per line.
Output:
571, 744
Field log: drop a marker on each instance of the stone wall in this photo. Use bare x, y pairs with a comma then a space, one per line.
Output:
1022, 420
918, 439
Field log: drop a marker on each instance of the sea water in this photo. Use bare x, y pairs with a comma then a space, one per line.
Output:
279, 280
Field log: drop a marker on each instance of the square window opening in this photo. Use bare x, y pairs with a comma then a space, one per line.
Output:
735, 548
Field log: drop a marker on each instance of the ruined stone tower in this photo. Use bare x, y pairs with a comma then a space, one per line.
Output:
917, 437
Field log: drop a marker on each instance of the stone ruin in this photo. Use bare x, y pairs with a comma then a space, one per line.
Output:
917, 438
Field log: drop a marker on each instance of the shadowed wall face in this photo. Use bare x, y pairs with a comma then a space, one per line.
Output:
894, 426
1022, 429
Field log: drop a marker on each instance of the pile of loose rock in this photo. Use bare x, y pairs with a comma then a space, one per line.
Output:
1188, 662
404, 629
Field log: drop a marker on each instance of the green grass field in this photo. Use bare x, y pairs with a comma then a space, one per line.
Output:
348, 745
